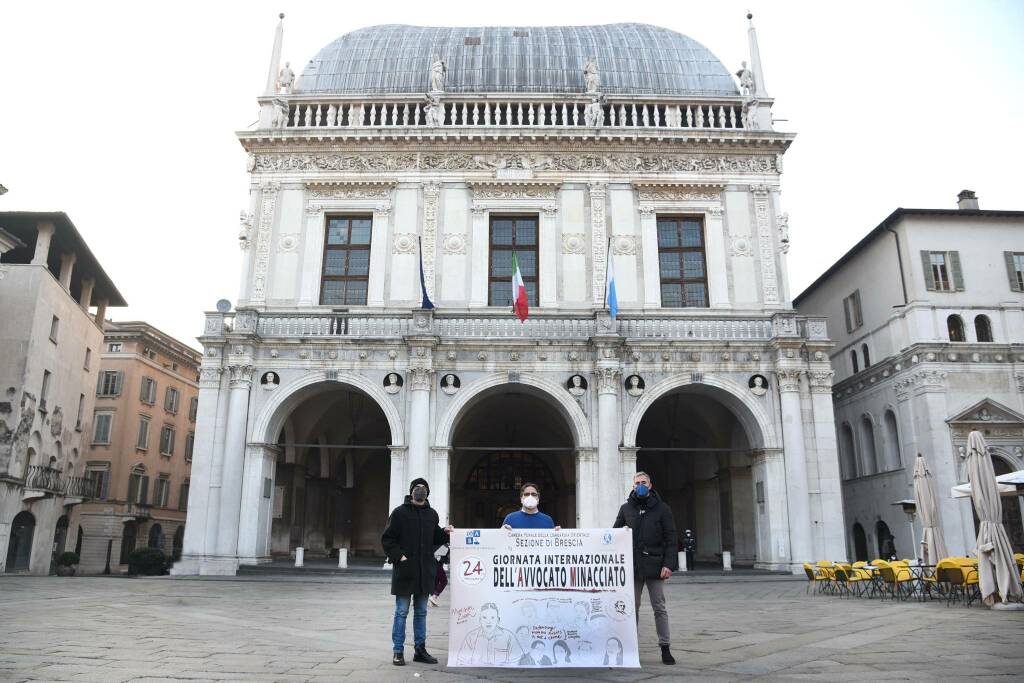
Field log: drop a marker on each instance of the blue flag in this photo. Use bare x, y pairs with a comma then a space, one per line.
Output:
427, 303
610, 297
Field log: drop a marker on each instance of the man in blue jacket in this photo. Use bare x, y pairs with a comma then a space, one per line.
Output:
530, 516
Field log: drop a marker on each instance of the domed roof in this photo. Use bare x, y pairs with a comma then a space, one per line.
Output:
631, 59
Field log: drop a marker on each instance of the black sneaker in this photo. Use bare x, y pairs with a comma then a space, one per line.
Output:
666, 656
398, 659
423, 656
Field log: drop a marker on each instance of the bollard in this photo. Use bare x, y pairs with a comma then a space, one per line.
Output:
727, 560
682, 561
342, 558
299, 554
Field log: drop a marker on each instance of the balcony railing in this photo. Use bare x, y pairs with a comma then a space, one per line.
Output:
455, 111
79, 487
43, 478
138, 510
662, 326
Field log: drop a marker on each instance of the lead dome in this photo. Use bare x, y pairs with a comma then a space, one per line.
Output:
632, 59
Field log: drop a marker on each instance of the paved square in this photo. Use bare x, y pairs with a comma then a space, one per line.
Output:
117, 629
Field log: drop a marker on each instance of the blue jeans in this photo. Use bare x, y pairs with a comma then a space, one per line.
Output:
419, 621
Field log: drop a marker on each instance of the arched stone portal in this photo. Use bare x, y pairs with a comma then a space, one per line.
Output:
698, 454
505, 437
332, 473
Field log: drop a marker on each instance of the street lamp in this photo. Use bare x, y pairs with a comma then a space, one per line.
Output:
910, 508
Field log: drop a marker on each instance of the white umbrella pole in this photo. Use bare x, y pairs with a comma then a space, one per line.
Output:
913, 538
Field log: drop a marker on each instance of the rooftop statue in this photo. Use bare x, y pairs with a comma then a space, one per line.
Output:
746, 77
285, 79
593, 113
434, 111
438, 74
590, 75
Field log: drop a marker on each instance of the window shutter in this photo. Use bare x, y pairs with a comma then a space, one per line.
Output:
99, 383
170, 442
144, 495
118, 378
847, 311
133, 488
144, 390
958, 276
929, 279
104, 484
858, 318
1011, 271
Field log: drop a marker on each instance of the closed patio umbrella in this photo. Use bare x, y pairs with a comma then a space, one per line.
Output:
997, 570
933, 544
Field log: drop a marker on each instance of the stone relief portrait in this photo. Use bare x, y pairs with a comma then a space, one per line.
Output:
393, 382
635, 385
577, 385
758, 385
450, 384
270, 380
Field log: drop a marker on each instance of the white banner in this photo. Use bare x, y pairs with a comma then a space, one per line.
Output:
542, 598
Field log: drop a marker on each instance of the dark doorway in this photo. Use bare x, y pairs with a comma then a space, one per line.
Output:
19, 549
1013, 517
178, 543
698, 456
60, 538
129, 533
886, 541
156, 537
502, 442
860, 543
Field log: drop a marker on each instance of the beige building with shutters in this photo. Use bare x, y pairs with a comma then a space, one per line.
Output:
141, 441
927, 315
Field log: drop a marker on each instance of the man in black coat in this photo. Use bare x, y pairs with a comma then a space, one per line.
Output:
654, 551
410, 539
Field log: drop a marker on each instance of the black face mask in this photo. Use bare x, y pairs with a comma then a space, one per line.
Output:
419, 494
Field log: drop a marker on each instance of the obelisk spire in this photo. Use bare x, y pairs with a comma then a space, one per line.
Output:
275, 57
755, 60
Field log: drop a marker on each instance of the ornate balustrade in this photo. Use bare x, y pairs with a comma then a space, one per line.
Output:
79, 487
42, 478
454, 111
662, 326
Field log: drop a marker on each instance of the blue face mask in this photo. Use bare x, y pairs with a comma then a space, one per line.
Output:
642, 491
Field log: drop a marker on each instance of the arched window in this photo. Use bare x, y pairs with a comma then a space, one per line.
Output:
955, 324
128, 535
867, 445
19, 543
860, 543
156, 537
853, 361
886, 541
847, 452
892, 441
867, 357
983, 328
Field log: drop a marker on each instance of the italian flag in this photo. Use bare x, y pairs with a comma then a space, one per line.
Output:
519, 302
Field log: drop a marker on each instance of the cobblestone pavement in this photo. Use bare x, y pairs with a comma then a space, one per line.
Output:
116, 629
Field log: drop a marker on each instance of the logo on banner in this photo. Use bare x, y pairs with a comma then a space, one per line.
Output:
473, 537
471, 570
607, 538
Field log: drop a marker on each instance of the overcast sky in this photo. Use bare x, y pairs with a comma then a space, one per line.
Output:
123, 115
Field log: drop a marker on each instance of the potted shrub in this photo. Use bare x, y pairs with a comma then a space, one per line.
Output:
147, 562
67, 563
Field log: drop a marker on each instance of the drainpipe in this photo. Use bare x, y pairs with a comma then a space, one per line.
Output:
899, 261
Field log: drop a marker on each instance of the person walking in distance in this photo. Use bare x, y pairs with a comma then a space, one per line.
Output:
654, 551
690, 548
410, 540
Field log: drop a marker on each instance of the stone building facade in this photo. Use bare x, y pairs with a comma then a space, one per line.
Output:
50, 345
928, 316
329, 388
140, 447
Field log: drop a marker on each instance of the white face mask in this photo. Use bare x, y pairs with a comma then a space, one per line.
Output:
530, 501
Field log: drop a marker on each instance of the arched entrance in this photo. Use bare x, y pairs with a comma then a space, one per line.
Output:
697, 452
156, 537
19, 548
860, 543
332, 474
886, 541
1012, 508
509, 436
129, 533
60, 538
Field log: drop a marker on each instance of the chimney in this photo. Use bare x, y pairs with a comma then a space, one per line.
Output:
967, 200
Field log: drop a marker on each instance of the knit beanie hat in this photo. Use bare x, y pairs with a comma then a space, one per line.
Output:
416, 482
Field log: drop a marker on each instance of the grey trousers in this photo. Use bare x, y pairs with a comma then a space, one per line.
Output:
656, 594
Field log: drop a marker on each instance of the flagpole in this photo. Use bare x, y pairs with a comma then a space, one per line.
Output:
608, 257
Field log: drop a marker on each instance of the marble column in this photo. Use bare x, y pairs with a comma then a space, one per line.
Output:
609, 466
419, 383
479, 262
399, 480
234, 460
649, 245
314, 234
549, 239
833, 527
627, 458
198, 542
440, 479
586, 490
718, 278
800, 537
772, 515
44, 234
380, 242
257, 503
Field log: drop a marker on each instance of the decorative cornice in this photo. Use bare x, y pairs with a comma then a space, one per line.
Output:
511, 189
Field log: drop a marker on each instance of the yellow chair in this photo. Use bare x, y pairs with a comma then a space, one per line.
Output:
897, 579
827, 568
815, 578
849, 579
961, 574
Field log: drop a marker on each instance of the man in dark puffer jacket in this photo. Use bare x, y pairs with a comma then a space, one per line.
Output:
654, 551
409, 541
